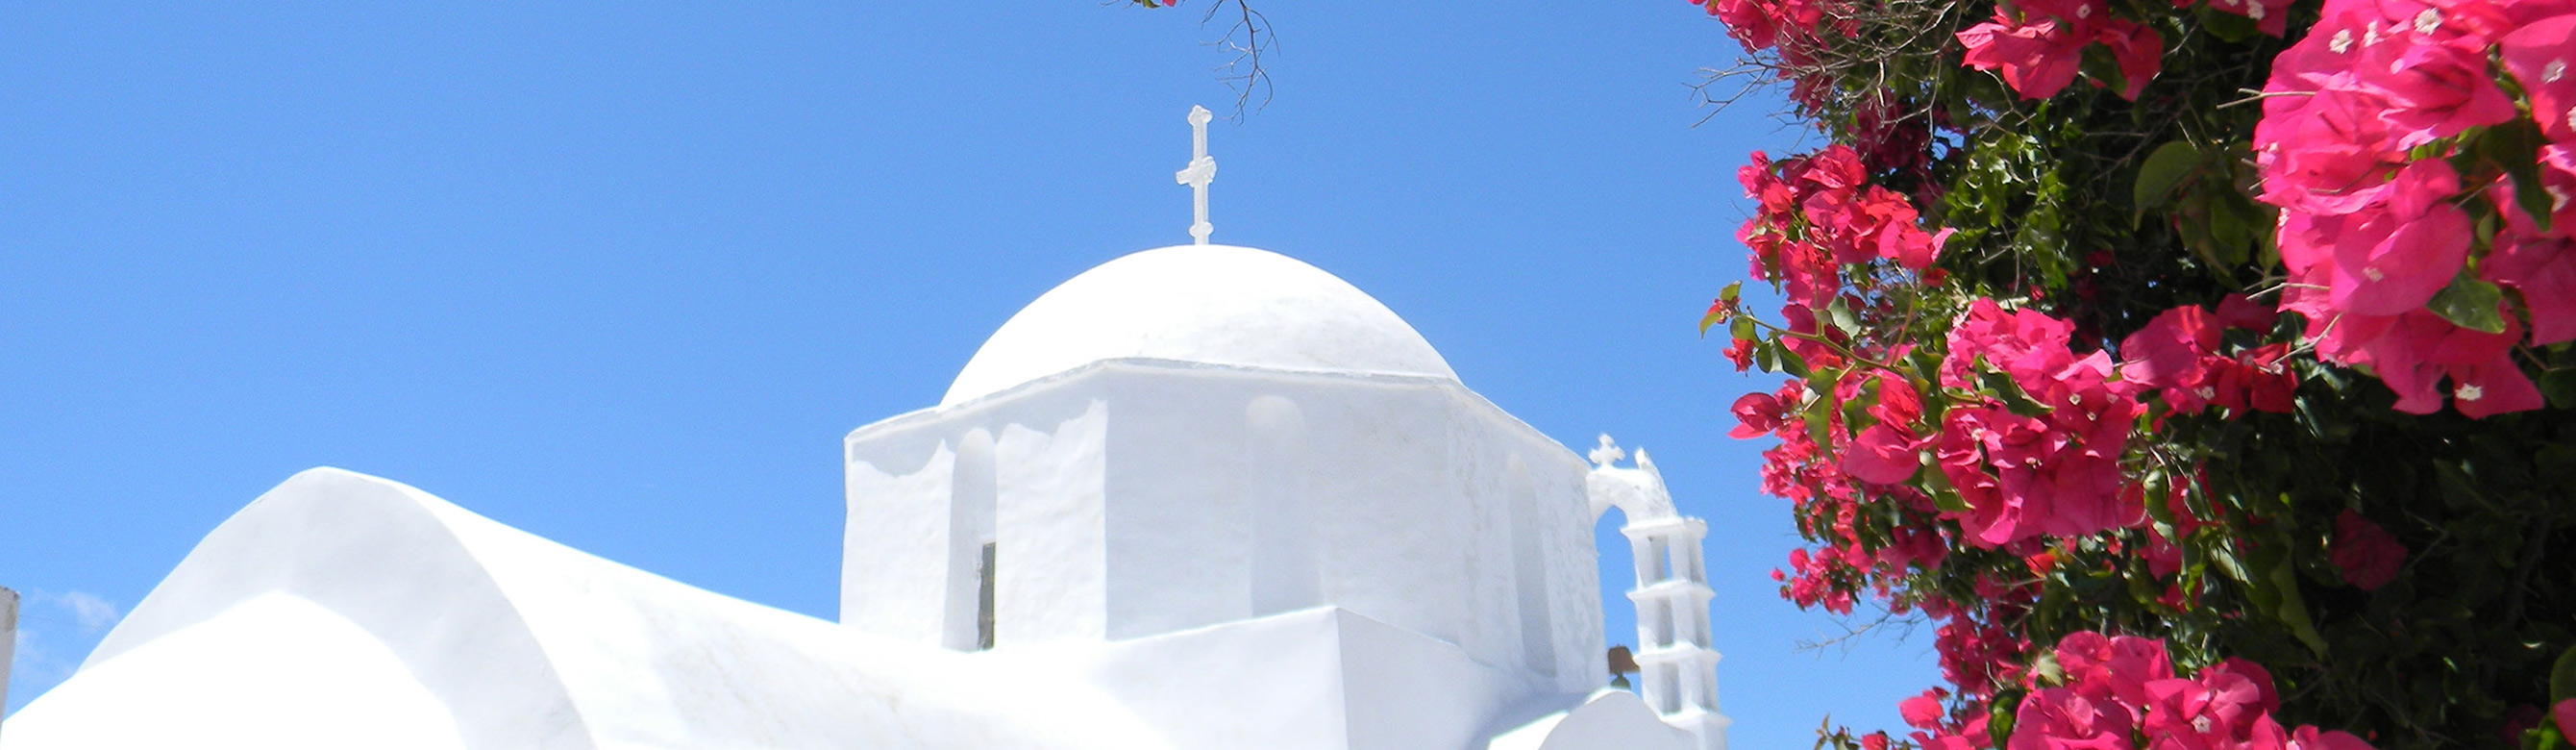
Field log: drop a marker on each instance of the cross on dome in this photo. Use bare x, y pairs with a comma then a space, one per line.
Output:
1609, 452
1200, 172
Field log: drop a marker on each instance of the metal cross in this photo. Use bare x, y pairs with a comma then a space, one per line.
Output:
1202, 170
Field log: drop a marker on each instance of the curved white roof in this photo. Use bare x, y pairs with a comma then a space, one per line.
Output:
1211, 304
455, 631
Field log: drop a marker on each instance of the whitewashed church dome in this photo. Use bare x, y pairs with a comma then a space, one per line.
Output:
1211, 304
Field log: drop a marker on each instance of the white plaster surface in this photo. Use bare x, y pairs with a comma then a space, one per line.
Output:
1213, 304
1234, 502
1177, 495
1605, 719
529, 644
273, 673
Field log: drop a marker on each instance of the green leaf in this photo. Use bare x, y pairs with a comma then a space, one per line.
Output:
2470, 303
2001, 386
1793, 364
1719, 312
2560, 387
2562, 677
2515, 146
1944, 496
1999, 716
1819, 417
1842, 317
2162, 172
1742, 328
2293, 610
2234, 224
2228, 26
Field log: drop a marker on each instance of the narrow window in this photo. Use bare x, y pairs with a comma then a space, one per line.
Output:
984, 601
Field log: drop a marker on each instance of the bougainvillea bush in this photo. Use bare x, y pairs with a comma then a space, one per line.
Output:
2200, 370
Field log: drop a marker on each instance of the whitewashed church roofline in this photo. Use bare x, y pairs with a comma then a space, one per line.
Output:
1223, 304
517, 654
1456, 390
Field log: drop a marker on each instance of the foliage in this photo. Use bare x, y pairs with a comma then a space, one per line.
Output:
2231, 336
1247, 36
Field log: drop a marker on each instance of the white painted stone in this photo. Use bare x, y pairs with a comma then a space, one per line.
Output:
1208, 304
1230, 502
276, 672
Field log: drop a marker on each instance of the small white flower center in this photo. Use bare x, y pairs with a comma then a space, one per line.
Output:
2200, 724
2557, 198
2555, 70
2254, 10
2084, 11
2427, 21
2370, 34
2471, 392
2571, 118
2206, 392
2341, 43
2372, 272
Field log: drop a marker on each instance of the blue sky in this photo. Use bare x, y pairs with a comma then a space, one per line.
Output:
622, 274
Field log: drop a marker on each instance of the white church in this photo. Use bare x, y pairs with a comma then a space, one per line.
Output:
1198, 497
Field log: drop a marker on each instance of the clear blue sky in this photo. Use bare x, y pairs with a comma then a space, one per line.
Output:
622, 274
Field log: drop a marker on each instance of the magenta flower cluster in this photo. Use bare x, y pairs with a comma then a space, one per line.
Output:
2360, 121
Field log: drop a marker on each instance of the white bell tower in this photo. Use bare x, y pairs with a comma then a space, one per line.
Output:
1677, 670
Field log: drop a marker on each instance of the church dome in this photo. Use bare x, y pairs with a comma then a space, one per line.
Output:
1211, 304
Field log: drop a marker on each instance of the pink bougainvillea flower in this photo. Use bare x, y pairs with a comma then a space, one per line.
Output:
2258, 380
2267, 734
2218, 707
2019, 341
1922, 711
2414, 352
2544, 270
2308, 738
2558, 179
2539, 55
2240, 311
2322, 145
2519, 719
2434, 91
2564, 713
1816, 354
2061, 719
2393, 256
1881, 454
1740, 352
2367, 555
2037, 59
2171, 352
2182, 715
2139, 50
1748, 20
2267, 698
1757, 413
2113, 668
